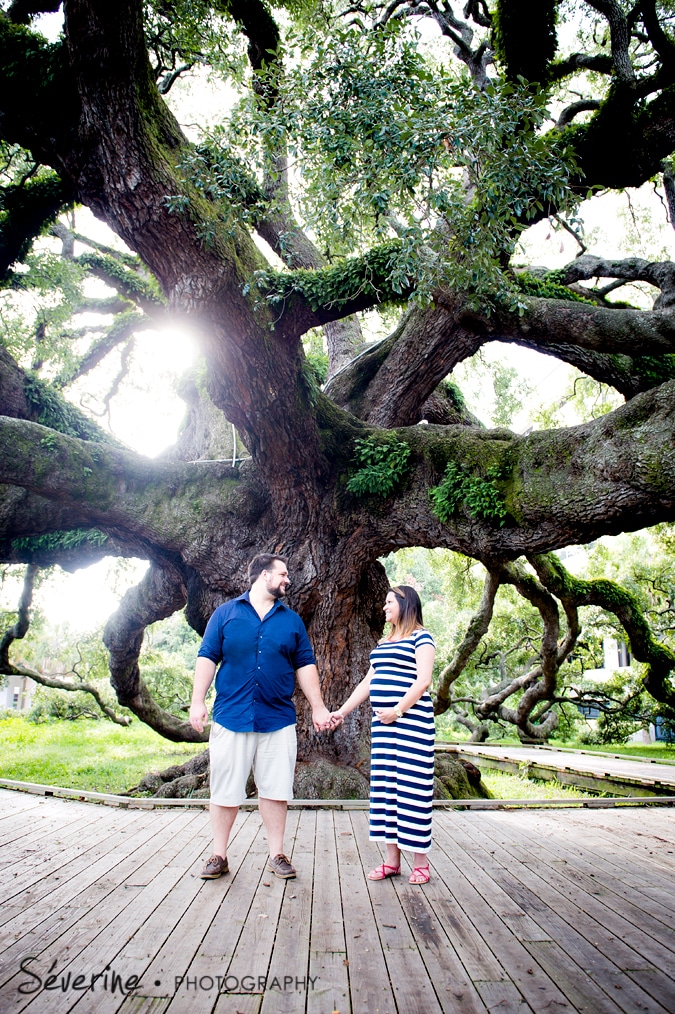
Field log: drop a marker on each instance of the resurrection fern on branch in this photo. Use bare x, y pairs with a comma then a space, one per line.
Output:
480, 497
382, 466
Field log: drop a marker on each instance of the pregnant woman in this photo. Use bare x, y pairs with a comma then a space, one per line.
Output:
402, 743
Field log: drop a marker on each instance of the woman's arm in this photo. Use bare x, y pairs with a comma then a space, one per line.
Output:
357, 696
424, 659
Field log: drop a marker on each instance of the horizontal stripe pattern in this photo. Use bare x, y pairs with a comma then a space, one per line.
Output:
402, 757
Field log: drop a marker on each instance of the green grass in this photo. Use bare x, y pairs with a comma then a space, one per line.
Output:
505, 786
86, 754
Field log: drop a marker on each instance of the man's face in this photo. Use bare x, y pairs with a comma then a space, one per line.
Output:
277, 580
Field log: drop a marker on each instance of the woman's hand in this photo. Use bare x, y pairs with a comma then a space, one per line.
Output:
386, 715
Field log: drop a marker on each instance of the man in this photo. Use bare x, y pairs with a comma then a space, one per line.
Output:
262, 647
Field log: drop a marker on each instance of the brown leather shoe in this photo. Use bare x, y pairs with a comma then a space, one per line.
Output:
281, 867
214, 868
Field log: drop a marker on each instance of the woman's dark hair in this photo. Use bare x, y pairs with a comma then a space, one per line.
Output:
261, 562
410, 610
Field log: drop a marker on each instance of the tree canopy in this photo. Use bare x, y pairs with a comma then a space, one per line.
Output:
371, 157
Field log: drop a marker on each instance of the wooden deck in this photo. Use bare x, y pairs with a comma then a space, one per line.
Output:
527, 910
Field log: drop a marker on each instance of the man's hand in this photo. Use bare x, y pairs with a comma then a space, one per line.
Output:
321, 717
198, 716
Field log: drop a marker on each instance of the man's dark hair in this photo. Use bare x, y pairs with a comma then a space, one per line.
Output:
261, 562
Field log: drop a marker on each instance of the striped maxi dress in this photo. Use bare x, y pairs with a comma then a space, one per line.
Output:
402, 753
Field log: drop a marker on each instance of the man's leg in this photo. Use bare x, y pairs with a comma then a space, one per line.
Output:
273, 813
231, 755
222, 819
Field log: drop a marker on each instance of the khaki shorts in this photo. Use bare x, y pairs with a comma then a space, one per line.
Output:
233, 754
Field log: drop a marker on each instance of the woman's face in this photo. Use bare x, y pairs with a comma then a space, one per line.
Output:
392, 610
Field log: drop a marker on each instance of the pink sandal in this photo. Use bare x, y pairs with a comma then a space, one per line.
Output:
384, 871
419, 875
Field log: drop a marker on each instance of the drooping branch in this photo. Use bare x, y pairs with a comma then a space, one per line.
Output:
54, 680
477, 628
24, 396
573, 110
120, 331
538, 684
19, 629
160, 594
615, 599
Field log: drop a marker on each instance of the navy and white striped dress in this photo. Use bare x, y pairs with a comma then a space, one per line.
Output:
402, 753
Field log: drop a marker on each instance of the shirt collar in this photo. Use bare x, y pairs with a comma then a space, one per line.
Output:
245, 597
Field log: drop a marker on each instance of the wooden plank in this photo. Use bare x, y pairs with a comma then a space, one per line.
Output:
590, 944
621, 881
193, 906
221, 941
133, 957
39, 924
242, 1003
505, 934
370, 988
413, 989
93, 944
254, 950
31, 878
583, 993
454, 988
290, 956
328, 949
600, 877
143, 1005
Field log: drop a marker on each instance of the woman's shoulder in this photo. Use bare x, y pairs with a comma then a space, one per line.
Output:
423, 636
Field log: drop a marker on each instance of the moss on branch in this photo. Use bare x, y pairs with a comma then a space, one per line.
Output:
362, 280
54, 542
24, 212
50, 409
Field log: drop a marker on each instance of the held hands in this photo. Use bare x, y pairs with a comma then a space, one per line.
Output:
326, 721
321, 717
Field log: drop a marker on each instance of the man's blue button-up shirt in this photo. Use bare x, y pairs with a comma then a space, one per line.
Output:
258, 659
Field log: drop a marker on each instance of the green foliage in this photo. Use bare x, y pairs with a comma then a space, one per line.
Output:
547, 287
53, 542
461, 491
382, 137
52, 410
119, 271
381, 465
27, 208
380, 274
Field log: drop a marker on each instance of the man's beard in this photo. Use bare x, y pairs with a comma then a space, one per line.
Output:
278, 592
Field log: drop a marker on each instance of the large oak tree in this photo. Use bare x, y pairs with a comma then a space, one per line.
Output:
378, 172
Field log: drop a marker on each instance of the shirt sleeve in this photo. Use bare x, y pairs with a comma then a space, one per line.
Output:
303, 651
212, 642
424, 637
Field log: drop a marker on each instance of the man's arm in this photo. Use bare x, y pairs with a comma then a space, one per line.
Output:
205, 670
308, 679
